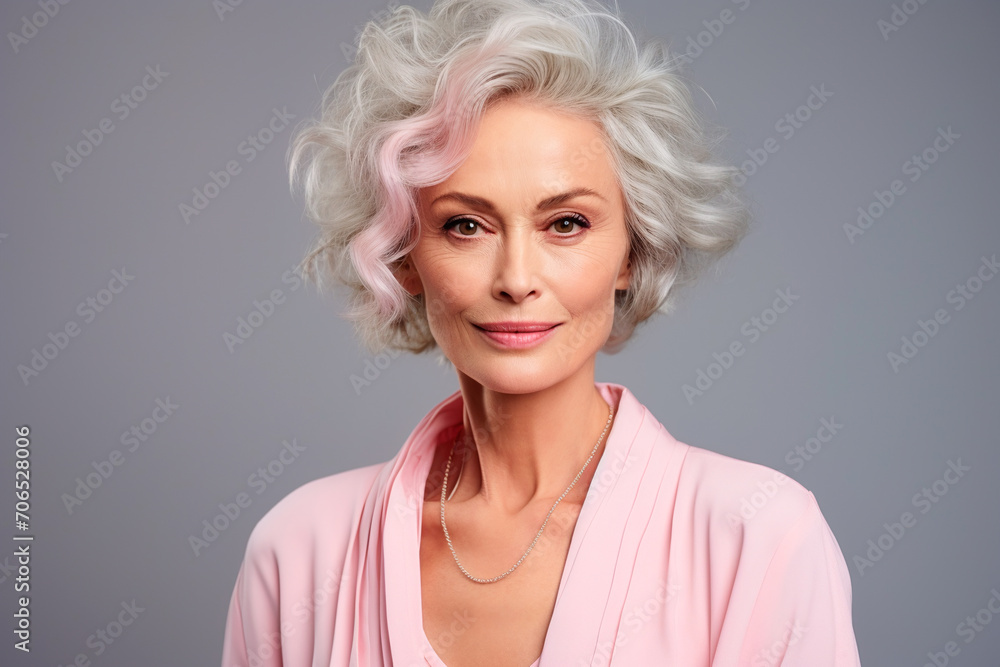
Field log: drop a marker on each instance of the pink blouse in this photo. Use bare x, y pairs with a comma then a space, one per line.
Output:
680, 556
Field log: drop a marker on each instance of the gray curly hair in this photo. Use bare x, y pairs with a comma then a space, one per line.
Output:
403, 116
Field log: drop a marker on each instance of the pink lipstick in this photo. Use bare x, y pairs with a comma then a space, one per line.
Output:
517, 335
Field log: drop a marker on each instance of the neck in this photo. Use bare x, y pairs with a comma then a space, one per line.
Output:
528, 447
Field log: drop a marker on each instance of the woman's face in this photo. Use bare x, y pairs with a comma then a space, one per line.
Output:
530, 229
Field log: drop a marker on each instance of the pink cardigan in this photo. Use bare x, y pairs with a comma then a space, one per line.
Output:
680, 556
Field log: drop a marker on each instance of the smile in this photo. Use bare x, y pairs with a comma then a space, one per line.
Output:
514, 335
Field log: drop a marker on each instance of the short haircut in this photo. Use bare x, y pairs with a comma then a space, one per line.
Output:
403, 116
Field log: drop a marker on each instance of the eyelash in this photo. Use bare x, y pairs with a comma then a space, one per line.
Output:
575, 217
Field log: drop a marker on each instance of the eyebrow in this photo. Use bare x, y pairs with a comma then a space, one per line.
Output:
546, 203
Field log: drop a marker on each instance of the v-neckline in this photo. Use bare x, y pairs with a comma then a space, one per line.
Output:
420, 593
585, 512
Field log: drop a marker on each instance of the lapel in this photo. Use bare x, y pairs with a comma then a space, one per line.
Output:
605, 547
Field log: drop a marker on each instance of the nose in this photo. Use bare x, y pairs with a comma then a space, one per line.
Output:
517, 265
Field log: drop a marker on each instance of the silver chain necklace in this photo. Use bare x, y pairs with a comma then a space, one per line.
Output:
444, 489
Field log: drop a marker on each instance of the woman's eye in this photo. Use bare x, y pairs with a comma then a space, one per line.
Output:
465, 226
565, 224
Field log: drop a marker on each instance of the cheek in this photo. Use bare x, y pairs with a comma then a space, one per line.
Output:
448, 294
443, 306
442, 278
592, 302
597, 316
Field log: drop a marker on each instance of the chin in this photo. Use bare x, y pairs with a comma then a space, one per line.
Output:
511, 375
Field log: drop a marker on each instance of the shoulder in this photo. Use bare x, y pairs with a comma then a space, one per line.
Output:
319, 512
295, 558
743, 499
771, 560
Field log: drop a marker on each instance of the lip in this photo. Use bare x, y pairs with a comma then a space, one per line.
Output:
511, 326
517, 335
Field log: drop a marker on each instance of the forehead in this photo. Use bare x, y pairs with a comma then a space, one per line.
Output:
528, 148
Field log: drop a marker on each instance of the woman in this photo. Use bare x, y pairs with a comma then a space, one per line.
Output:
519, 185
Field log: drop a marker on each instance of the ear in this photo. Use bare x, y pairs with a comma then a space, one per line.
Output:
408, 277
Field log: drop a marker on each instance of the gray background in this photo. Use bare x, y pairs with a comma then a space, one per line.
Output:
163, 335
